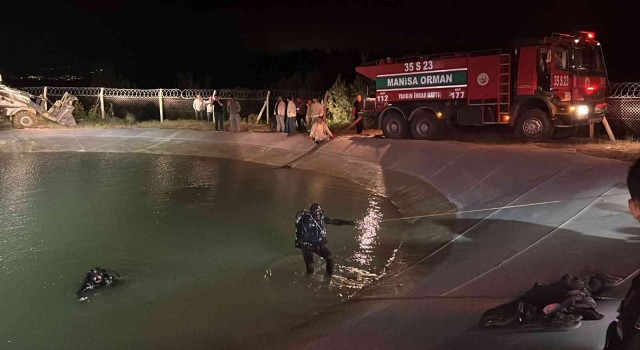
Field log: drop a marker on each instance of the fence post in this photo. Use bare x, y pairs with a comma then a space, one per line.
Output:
592, 131
608, 128
44, 94
268, 109
264, 105
161, 108
102, 101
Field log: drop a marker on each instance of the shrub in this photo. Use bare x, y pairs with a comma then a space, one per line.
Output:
79, 113
93, 114
130, 117
342, 96
339, 104
110, 112
83, 115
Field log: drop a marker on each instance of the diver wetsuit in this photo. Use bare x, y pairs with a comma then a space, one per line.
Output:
311, 236
96, 277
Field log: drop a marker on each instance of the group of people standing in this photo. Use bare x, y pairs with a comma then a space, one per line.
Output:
309, 116
298, 114
214, 108
292, 115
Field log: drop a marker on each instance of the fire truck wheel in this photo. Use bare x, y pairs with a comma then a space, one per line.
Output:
425, 126
564, 133
534, 125
394, 126
25, 119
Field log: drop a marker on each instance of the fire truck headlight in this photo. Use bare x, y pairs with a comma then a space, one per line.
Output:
582, 110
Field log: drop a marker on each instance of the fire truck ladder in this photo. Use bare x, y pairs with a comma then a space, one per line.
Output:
504, 88
499, 114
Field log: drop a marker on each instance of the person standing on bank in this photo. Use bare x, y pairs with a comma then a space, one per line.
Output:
198, 107
209, 104
311, 235
355, 113
291, 116
233, 107
218, 113
301, 111
280, 112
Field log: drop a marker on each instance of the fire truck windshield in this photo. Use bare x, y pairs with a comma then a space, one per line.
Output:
589, 58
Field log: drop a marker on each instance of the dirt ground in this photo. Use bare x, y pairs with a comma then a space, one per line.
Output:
625, 150
4, 124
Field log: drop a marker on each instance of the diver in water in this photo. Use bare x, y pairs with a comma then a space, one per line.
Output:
97, 277
311, 235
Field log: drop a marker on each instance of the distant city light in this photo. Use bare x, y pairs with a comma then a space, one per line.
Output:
66, 77
53, 74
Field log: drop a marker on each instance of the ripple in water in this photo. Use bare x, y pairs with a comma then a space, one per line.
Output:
205, 248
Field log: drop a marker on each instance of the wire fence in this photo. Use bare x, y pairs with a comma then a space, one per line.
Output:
144, 104
623, 112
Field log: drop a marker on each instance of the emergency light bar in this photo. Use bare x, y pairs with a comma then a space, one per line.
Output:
588, 36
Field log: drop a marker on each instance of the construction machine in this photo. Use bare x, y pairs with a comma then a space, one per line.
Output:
25, 110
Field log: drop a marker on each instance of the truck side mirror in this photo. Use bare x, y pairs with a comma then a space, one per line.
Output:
548, 58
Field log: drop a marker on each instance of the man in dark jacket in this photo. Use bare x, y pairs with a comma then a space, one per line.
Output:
218, 113
301, 112
311, 235
355, 113
624, 334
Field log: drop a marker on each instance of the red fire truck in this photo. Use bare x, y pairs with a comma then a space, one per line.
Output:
543, 90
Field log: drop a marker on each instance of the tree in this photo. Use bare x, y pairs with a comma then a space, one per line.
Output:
363, 87
313, 81
340, 104
207, 82
342, 96
295, 81
364, 58
186, 81
104, 75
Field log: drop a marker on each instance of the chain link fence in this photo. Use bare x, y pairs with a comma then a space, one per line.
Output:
623, 112
144, 104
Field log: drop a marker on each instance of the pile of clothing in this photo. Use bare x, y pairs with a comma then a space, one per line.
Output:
560, 304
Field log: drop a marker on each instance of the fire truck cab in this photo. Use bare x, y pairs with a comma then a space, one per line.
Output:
543, 90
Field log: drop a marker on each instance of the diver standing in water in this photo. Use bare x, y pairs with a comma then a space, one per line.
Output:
311, 235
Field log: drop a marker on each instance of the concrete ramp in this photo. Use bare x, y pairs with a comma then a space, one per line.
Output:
521, 214
563, 213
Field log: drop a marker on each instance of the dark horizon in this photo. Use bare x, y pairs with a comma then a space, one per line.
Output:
243, 44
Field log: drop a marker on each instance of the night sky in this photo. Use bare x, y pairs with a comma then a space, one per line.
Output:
242, 43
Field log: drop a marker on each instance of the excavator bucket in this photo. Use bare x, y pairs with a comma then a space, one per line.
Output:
62, 111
